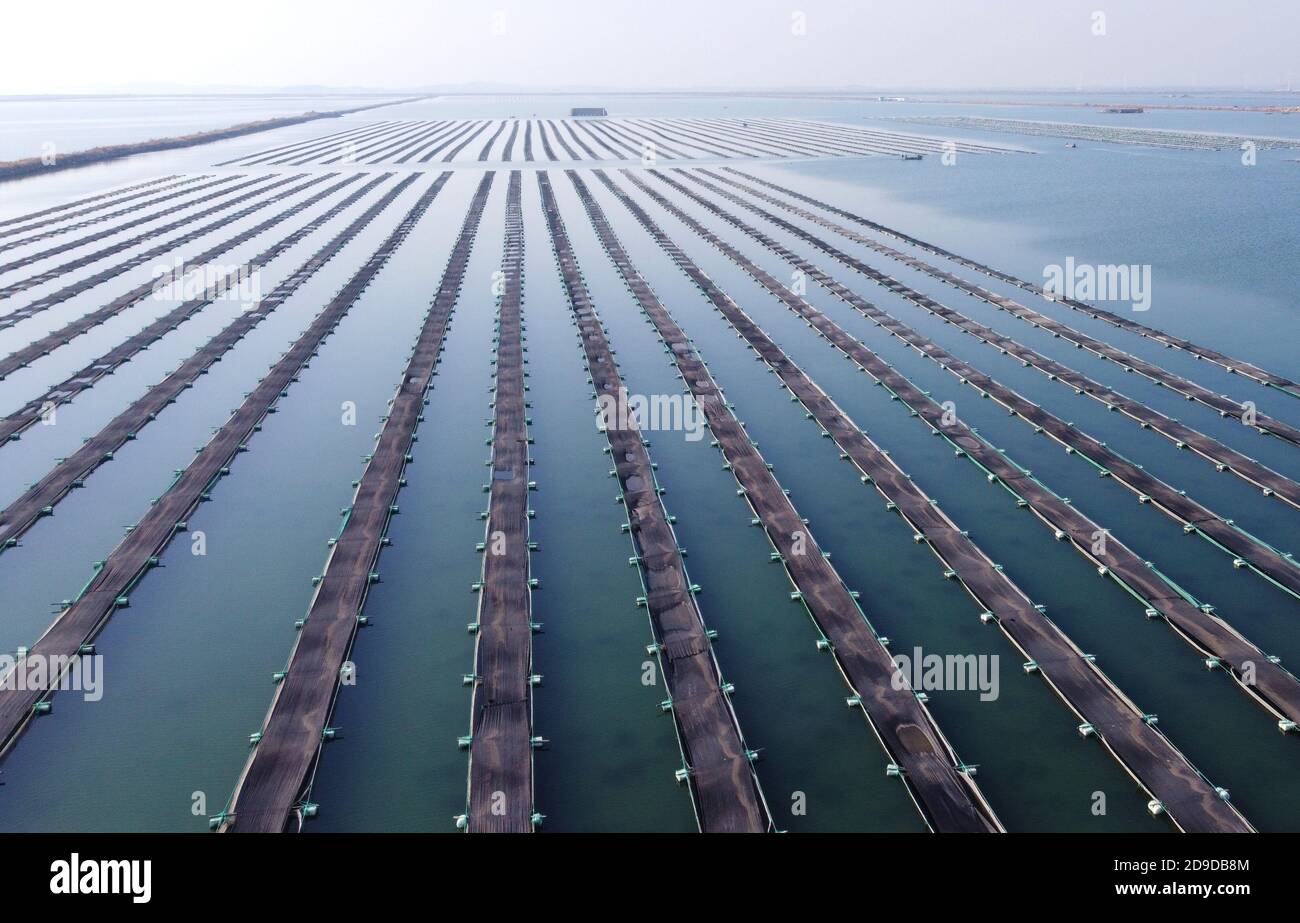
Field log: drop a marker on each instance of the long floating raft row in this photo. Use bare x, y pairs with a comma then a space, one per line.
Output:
717, 763
274, 789
150, 188
138, 257
1248, 551
647, 144
349, 148
560, 140
64, 392
487, 147
811, 138
941, 785
812, 141
545, 129
388, 147
499, 792
457, 133
604, 139
172, 195
1111, 134
1034, 103
766, 143
284, 149
352, 151
577, 139
712, 137
46, 344
610, 142
597, 147
510, 141
890, 141
410, 143
1176, 788
41, 498
86, 241
709, 146
615, 140
1236, 366
1228, 459
464, 142
119, 195
816, 144
753, 142
315, 145
1258, 675
74, 629
326, 150
454, 133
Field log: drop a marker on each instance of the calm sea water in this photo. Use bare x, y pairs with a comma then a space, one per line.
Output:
190, 662
75, 123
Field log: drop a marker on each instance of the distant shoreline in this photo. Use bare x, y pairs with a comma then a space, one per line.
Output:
32, 166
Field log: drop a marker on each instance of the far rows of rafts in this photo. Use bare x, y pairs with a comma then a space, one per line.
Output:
600, 139
274, 790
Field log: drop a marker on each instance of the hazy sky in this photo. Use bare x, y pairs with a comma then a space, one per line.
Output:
91, 45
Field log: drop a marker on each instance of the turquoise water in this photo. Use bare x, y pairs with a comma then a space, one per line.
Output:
188, 664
